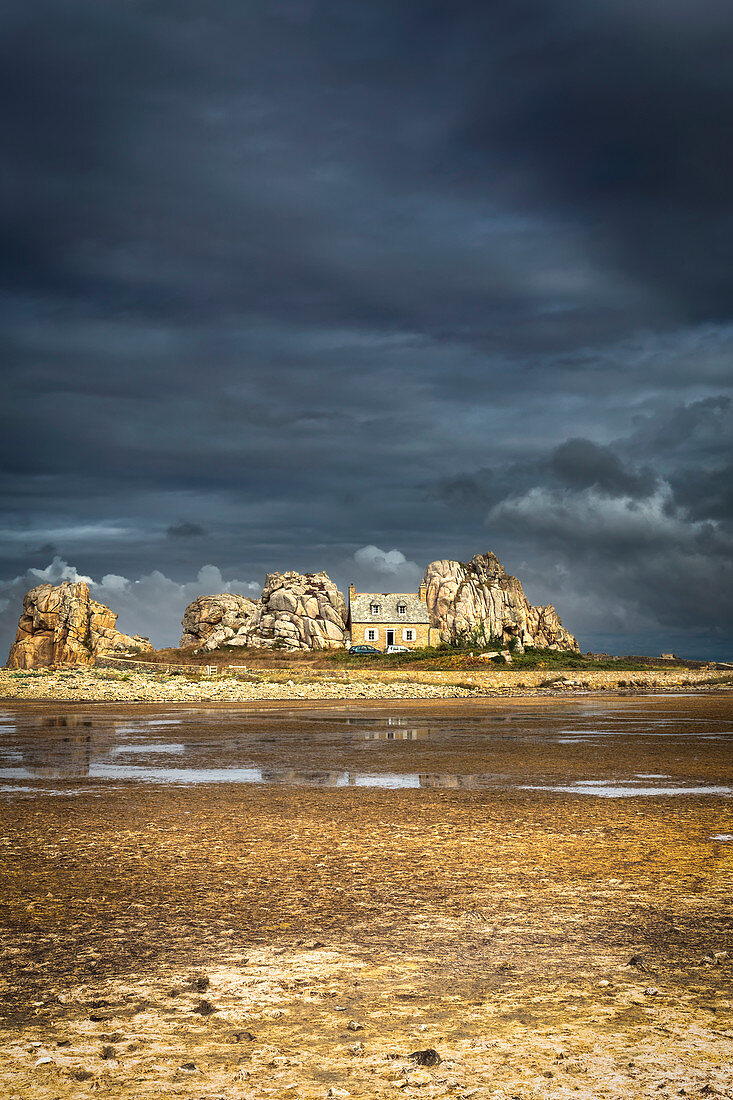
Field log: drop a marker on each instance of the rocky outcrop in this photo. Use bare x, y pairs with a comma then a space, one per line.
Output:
211, 621
299, 611
62, 625
479, 602
295, 611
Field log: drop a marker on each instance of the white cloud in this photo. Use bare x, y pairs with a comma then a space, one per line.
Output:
114, 583
381, 561
589, 517
77, 533
378, 567
58, 571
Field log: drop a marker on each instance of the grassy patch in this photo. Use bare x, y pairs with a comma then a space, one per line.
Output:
572, 662
447, 658
442, 658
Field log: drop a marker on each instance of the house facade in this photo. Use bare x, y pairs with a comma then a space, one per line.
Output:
390, 618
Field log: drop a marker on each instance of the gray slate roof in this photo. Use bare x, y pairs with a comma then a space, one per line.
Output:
417, 611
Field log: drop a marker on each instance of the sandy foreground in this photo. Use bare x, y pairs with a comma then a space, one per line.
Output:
81, 685
233, 942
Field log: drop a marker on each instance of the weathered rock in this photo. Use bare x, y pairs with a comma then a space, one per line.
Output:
479, 602
428, 1057
62, 625
297, 611
210, 621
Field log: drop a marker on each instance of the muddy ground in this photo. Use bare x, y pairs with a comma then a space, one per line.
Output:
227, 942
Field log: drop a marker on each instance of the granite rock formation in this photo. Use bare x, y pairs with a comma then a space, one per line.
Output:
62, 625
295, 611
299, 611
478, 602
211, 621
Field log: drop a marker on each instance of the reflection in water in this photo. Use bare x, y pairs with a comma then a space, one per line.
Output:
561, 750
459, 782
165, 750
71, 757
398, 729
294, 777
603, 789
67, 757
397, 735
61, 721
313, 777
304, 777
144, 774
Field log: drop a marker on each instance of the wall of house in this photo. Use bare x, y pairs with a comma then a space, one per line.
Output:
422, 634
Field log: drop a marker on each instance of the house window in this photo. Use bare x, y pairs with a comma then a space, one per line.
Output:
408, 635
401, 608
374, 608
371, 635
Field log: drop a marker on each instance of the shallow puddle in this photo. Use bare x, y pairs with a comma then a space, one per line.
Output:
661, 746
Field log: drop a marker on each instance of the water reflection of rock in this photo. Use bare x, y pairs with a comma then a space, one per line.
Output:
454, 782
305, 776
63, 721
68, 757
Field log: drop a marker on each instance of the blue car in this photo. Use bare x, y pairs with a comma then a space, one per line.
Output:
362, 650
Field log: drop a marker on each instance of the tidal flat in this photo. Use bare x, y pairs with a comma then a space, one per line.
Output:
515, 899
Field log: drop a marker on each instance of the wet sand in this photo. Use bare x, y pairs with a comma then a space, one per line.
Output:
224, 940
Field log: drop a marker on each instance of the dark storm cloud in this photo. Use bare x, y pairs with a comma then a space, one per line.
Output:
706, 493
701, 429
620, 113
582, 464
466, 491
331, 277
185, 530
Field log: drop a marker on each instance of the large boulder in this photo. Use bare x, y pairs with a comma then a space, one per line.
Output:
211, 621
299, 611
62, 625
479, 602
295, 611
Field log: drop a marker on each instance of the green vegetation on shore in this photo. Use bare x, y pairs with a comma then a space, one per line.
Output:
455, 657
443, 658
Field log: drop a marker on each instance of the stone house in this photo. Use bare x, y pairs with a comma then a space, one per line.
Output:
390, 618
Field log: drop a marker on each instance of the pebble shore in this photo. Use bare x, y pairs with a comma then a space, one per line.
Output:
105, 685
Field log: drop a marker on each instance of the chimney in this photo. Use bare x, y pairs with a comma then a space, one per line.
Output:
423, 592
352, 592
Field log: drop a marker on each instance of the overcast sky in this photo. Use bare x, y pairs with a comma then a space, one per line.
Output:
354, 285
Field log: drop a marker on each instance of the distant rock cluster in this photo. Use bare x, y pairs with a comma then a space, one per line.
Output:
476, 603
295, 611
62, 625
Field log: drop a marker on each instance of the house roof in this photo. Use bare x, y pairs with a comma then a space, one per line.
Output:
359, 607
